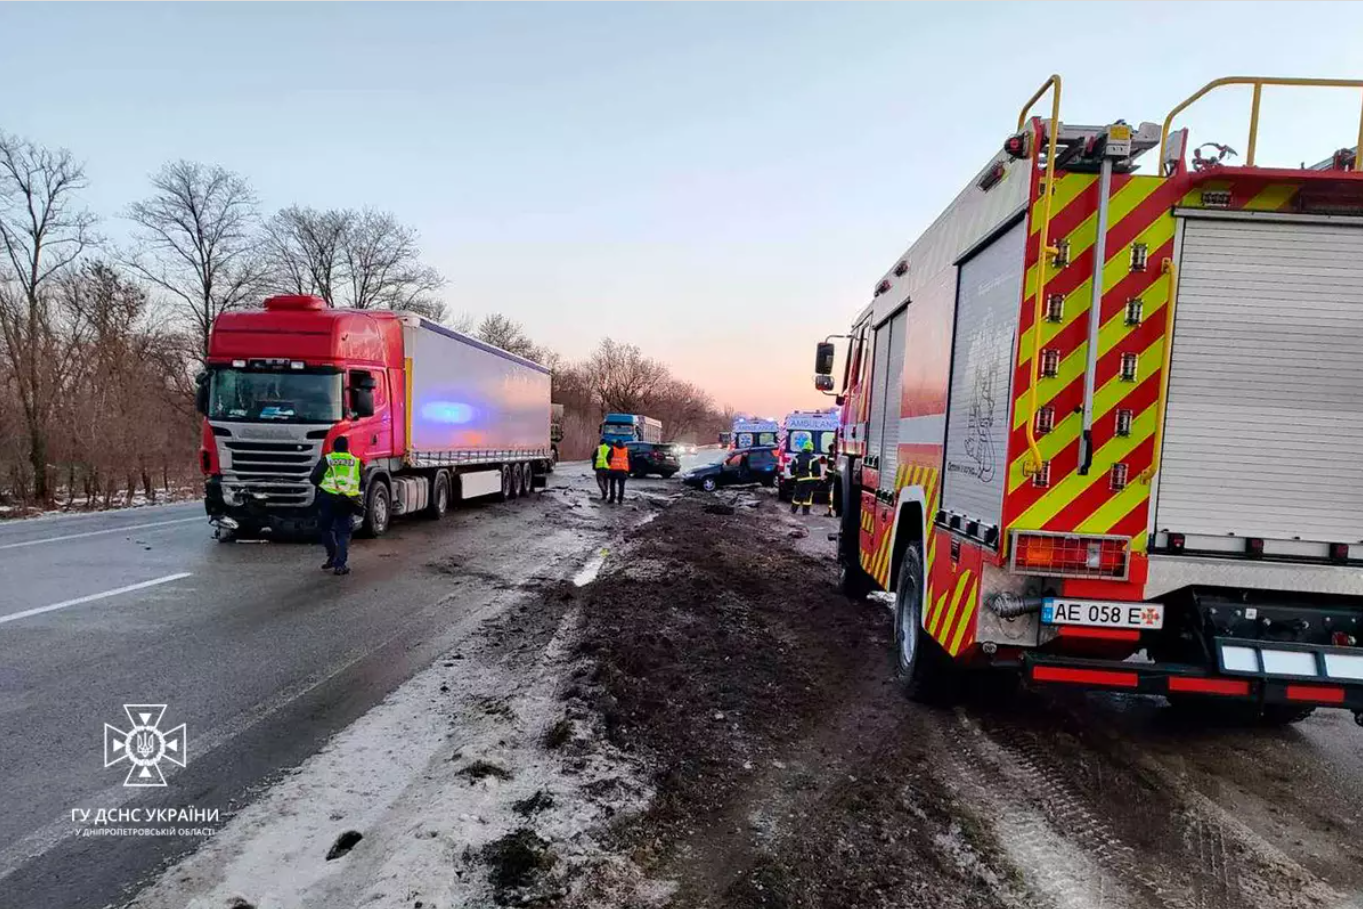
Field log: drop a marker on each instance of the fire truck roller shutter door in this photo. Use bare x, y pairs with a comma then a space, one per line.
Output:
1264, 428
879, 366
987, 294
894, 389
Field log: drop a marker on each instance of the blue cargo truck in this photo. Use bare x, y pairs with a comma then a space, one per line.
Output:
629, 427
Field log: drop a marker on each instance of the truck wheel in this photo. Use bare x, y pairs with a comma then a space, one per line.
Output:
514, 472
440, 496
709, 484
376, 510
527, 478
921, 666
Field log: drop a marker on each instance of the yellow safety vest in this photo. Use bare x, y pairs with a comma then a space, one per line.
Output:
603, 453
343, 474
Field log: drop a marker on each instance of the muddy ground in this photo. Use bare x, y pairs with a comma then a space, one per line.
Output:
682, 712
788, 771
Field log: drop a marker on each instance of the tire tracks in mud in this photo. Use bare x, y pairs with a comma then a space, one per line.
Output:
1092, 823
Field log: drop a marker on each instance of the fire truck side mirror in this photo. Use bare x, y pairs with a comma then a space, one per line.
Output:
201, 392
823, 359
823, 383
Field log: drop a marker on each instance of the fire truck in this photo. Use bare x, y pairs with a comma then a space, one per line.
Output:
1103, 428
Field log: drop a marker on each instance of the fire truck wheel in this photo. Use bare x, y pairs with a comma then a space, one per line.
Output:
923, 670
376, 510
440, 496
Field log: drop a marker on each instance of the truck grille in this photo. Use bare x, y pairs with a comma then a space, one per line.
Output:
277, 470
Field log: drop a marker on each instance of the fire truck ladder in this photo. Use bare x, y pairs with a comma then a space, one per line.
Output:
1045, 251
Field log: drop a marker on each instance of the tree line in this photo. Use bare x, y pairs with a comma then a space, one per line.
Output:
99, 342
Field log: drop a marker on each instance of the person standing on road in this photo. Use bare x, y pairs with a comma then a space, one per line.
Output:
619, 471
601, 464
807, 478
339, 478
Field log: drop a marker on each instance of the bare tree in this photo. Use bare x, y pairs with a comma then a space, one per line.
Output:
622, 378
509, 335
382, 264
365, 260
198, 240
43, 233
304, 248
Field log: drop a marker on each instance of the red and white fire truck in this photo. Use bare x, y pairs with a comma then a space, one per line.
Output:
1106, 427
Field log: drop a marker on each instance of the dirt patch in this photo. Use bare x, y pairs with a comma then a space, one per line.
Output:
785, 766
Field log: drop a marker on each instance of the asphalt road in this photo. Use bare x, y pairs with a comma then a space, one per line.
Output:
257, 651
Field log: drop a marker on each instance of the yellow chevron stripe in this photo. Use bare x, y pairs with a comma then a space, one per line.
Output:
1111, 333
1122, 203
961, 583
1138, 542
1193, 197
1064, 493
967, 617
938, 611
1121, 503
1068, 187
1272, 197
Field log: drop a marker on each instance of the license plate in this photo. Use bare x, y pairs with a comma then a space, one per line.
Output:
1102, 613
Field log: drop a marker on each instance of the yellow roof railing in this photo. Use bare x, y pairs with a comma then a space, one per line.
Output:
1258, 83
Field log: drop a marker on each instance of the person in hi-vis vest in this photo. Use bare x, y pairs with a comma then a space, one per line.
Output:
601, 463
339, 478
618, 462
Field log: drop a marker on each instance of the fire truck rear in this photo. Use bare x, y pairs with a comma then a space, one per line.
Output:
1104, 427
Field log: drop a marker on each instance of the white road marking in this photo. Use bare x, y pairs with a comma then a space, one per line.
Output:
94, 596
95, 533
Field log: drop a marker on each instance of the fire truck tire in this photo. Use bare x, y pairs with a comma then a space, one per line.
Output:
923, 669
440, 496
377, 510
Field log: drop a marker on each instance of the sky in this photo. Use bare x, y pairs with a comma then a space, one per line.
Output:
720, 184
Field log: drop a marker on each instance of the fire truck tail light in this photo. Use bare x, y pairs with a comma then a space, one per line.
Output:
1062, 555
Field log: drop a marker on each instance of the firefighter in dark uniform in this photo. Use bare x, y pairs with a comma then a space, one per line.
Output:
805, 467
830, 476
339, 478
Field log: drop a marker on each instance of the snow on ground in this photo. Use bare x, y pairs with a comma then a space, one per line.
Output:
407, 777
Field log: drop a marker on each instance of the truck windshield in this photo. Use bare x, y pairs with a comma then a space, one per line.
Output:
275, 397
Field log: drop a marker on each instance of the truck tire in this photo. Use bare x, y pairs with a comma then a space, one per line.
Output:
514, 472
527, 478
508, 486
377, 510
922, 668
440, 496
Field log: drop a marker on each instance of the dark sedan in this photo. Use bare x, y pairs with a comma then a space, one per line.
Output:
646, 458
740, 467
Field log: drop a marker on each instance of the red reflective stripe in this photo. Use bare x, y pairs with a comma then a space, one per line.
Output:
1106, 634
1316, 693
1085, 676
1208, 686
